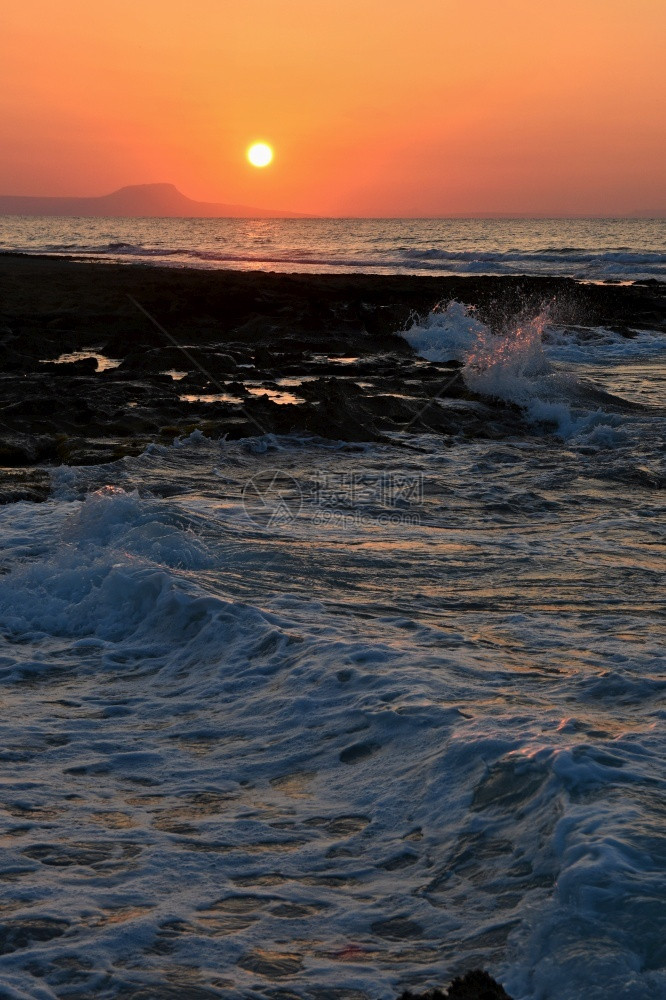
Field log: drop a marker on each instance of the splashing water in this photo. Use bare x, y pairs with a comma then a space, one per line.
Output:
514, 367
510, 366
507, 366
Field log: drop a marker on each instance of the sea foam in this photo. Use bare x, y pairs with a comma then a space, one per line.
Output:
518, 366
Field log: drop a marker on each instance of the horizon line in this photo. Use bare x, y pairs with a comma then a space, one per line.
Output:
656, 215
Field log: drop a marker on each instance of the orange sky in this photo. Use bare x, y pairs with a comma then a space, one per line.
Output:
374, 107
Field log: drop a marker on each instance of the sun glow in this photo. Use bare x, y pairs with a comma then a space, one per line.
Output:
260, 154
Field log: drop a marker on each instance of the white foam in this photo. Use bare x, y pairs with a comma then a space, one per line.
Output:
446, 334
410, 683
516, 367
599, 345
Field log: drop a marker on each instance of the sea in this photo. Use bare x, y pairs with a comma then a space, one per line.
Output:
588, 249
290, 717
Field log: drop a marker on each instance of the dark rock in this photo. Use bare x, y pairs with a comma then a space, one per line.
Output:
254, 328
15, 361
237, 326
474, 985
83, 366
264, 357
32, 485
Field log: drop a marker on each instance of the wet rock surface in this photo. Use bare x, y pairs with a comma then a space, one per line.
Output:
99, 360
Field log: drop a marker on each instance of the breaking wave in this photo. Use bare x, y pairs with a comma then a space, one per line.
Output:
520, 366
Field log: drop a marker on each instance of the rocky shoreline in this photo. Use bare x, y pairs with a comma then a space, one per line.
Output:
99, 360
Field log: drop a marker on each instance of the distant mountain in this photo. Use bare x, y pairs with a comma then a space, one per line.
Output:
137, 200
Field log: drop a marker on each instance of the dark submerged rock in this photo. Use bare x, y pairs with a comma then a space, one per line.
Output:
474, 985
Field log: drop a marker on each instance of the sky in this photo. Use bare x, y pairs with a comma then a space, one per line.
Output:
372, 107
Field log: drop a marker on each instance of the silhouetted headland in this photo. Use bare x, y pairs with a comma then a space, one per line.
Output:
136, 201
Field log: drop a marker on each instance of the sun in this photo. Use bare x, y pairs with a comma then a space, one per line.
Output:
260, 154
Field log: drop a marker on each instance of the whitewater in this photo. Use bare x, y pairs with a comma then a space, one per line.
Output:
288, 717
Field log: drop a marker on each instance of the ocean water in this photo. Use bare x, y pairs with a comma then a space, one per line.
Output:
590, 249
294, 718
